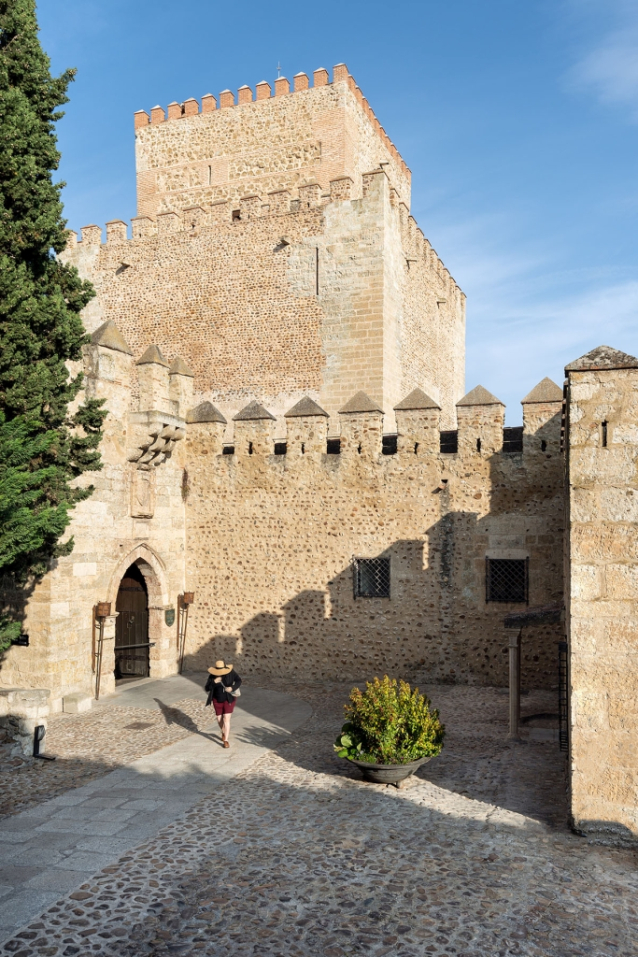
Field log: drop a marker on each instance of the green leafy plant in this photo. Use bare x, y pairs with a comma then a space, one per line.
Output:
389, 723
47, 438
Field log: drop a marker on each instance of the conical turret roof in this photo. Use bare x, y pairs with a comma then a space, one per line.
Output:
254, 410
360, 403
179, 367
478, 396
601, 358
205, 412
109, 337
418, 399
305, 407
152, 354
545, 391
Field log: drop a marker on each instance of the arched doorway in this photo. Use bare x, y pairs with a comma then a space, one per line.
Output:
131, 626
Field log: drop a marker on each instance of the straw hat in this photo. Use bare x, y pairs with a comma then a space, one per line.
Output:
220, 668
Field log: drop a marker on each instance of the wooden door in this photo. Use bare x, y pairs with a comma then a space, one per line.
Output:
131, 626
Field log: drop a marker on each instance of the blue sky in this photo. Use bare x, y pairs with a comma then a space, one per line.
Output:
518, 120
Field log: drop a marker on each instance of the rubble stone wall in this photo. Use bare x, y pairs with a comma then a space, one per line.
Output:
132, 516
323, 298
270, 540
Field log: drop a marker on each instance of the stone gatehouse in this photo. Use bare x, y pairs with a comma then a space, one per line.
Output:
290, 440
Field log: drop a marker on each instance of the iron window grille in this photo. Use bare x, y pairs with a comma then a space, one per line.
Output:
513, 439
371, 577
449, 441
507, 580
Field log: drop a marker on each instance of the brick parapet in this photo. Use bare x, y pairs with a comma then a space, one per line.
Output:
264, 93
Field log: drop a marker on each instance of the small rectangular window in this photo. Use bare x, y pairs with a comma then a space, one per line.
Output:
333, 447
513, 439
236, 215
371, 577
228, 450
281, 448
449, 442
389, 445
507, 580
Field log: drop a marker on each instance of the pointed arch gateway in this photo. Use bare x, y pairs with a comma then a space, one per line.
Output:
138, 591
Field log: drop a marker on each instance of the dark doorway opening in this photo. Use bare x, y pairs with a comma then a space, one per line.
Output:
131, 627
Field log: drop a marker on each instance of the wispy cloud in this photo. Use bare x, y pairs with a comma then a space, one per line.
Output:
527, 318
608, 66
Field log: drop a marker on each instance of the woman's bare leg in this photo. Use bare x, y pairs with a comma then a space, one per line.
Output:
226, 727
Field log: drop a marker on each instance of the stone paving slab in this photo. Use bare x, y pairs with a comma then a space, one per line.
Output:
295, 856
53, 848
111, 734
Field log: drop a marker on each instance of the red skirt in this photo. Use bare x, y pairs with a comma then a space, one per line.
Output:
224, 707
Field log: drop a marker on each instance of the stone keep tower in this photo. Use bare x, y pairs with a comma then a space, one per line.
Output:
275, 251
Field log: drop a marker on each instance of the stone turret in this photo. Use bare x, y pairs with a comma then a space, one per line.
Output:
180, 387
153, 377
205, 433
307, 428
361, 427
418, 423
481, 417
254, 430
542, 418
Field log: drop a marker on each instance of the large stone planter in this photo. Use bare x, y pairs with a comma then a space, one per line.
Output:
388, 773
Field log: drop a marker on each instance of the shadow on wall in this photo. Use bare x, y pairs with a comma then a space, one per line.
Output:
13, 603
436, 621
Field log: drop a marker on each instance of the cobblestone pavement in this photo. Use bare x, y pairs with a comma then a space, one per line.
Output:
89, 745
297, 856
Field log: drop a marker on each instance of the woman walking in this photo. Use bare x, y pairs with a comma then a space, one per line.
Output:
223, 691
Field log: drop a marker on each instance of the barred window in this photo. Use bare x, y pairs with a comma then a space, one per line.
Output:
371, 577
506, 579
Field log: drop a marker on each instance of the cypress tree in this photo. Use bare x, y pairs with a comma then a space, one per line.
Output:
45, 441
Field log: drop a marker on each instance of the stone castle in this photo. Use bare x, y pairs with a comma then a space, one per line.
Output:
294, 477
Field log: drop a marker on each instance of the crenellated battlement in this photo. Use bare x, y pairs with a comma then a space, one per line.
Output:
260, 141
264, 92
232, 214
359, 432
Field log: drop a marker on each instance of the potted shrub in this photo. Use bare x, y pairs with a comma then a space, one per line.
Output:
390, 731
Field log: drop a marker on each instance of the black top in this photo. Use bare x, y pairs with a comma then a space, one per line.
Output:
216, 690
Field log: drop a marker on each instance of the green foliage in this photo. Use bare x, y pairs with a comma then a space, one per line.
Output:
389, 723
43, 446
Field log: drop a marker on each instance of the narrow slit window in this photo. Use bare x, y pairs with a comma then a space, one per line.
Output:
478, 445
316, 270
603, 431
